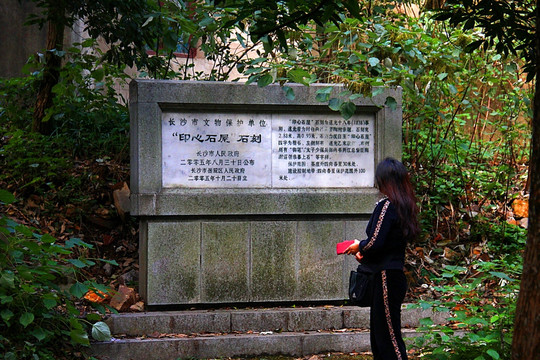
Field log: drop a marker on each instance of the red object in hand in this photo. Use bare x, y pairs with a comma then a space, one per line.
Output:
342, 246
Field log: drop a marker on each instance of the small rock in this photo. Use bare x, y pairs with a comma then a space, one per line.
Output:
450, 254
512, 221
524, 223
131, 276
121, 200
108, 269
124, 298
138, 306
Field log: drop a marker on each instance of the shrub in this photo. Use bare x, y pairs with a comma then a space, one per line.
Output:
40, 280
17, 97
32, 162
465, 135
481, 303
88, 116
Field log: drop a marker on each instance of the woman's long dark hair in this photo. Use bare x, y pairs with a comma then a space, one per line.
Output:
393, 180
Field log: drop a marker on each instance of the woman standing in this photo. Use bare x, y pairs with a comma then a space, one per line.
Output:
393, 223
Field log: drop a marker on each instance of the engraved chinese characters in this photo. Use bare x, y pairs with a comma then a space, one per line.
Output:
322, 151
266, 151
215, 150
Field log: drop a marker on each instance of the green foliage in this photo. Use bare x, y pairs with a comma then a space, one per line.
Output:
266, 17
481, 302
123, 25
39, 283
508, 26
32, 161
465, 137
88, 116
196, 27
136, 29
503, 239
17, 98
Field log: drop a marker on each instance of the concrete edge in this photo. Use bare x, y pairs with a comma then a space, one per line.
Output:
226, 346
256, 320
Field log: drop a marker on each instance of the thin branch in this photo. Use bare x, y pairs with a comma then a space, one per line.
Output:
292, 20
238, 60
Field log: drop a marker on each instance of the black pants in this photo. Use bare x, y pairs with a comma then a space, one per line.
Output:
389, 291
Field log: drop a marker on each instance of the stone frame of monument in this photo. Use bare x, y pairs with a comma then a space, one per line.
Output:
246, 244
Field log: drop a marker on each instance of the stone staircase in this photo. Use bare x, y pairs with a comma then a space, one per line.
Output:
210, 334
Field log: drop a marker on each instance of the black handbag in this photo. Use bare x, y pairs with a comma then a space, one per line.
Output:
361, 284
361, 288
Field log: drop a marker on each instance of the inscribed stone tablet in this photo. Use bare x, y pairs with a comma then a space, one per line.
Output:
267, 150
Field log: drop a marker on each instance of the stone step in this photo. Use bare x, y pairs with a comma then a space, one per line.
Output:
236, 345
255, 320
205, 334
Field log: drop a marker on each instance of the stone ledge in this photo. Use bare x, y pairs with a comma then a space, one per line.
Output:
291, 344
256, 320
248, 202
239, 345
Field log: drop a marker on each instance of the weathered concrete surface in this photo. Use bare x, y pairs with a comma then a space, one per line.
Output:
224, 346
257, 320
205, 334
230, 260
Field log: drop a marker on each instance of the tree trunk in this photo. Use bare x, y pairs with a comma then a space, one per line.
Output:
51, 73
526, 340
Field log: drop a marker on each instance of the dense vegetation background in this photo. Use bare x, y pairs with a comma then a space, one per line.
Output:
466, 136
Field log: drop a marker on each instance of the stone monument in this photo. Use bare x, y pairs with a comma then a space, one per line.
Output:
242, 193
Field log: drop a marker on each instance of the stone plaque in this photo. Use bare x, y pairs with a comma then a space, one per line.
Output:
263, 150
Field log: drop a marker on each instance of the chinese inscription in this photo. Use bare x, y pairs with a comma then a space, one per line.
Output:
267, 150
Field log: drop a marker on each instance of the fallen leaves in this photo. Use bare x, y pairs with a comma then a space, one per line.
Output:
98, 298
123, 299
137, 307
520, 207
121, 200
94, 212
519, 216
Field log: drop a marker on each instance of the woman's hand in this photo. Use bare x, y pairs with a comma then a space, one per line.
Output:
353, 248
358, 257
